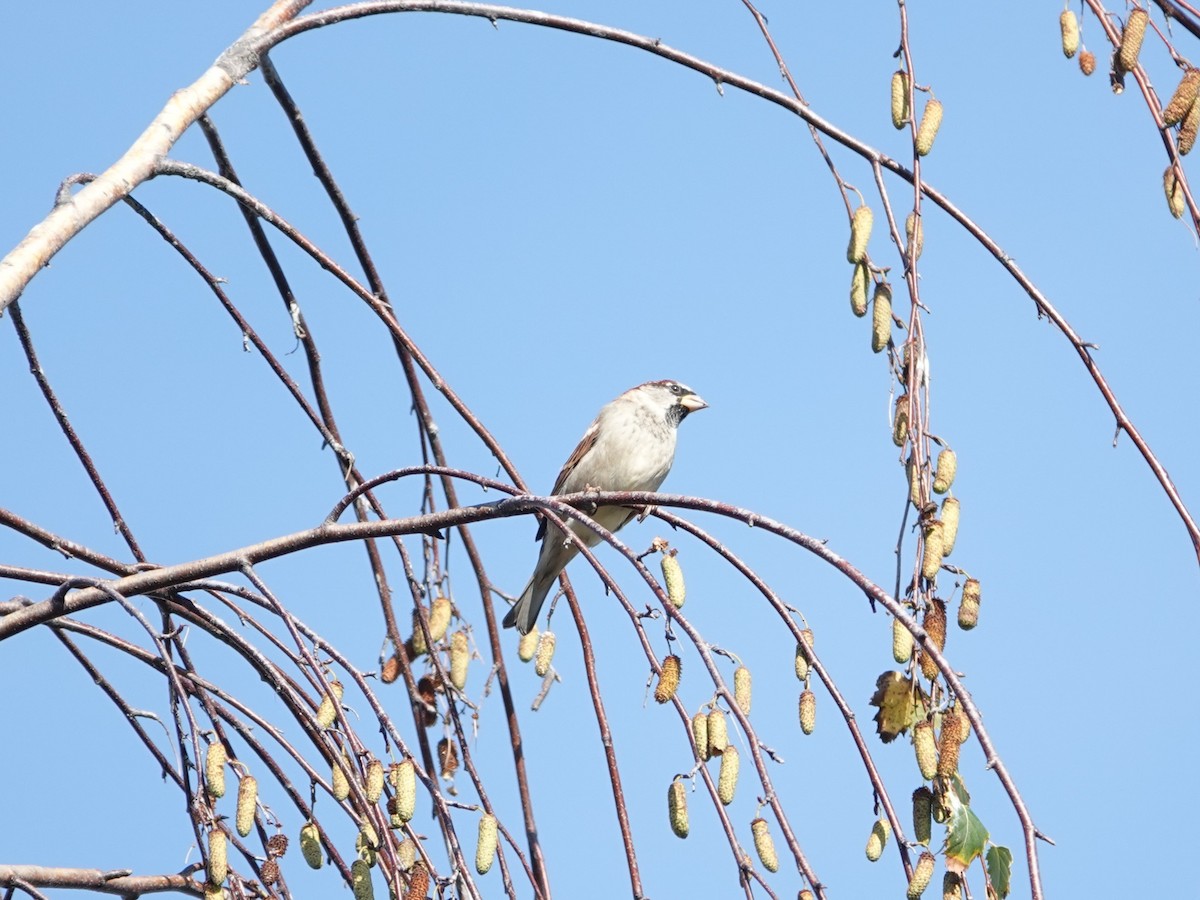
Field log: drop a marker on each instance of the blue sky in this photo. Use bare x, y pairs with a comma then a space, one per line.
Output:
557, 219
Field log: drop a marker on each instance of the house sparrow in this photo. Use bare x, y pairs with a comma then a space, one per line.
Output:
630, 447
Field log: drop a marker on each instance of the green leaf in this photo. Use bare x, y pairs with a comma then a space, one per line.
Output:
965, 837
960, 789
999, 867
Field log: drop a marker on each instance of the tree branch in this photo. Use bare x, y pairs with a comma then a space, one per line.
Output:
120, 882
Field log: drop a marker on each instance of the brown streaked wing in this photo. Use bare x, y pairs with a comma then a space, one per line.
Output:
586, 443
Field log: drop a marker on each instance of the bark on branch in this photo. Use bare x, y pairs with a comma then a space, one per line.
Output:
120, 881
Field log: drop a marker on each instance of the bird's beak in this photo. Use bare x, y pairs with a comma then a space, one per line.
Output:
693, 402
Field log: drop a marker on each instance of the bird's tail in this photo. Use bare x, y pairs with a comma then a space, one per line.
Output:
524, 613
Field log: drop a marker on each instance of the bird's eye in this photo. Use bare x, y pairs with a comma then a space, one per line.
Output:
676, 390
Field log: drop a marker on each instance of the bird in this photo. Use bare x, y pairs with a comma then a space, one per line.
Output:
629, 447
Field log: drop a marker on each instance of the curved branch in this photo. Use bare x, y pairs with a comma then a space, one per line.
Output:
137, 164
279, 23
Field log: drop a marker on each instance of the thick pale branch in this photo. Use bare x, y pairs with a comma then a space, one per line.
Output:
120, 882
70, 217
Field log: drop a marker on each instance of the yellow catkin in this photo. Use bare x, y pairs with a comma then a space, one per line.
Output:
460, 657
668, 679
947, 468
214, 768
1132, 36
1187, 131
914, 480
218, 857
948, 745
403, 776
858, 289
374, 782
860, 233
528, 645
902, 642
367, 844
700, 734
921, 876
485, 850
1176, 201
808, 711
718, 733
941, 807
545, 653
673, 580
327, 711
922, 810
881, 316
931, 121
406, 854
764, 844
934, 624
439, 617
933, 550
900, 109
360, 881
339, 781
968, 606
802, 654
214, 892
417, 642
900, 421
950, 514
925, 746
806, 894
951, 887
741, 688
1183, 98
1087, 62
727, 777
964, 724
878, 839
677, 808
914, 233
1069, 25
310, 845
247, 799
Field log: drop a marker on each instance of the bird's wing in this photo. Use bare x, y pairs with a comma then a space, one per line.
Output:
586, 443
